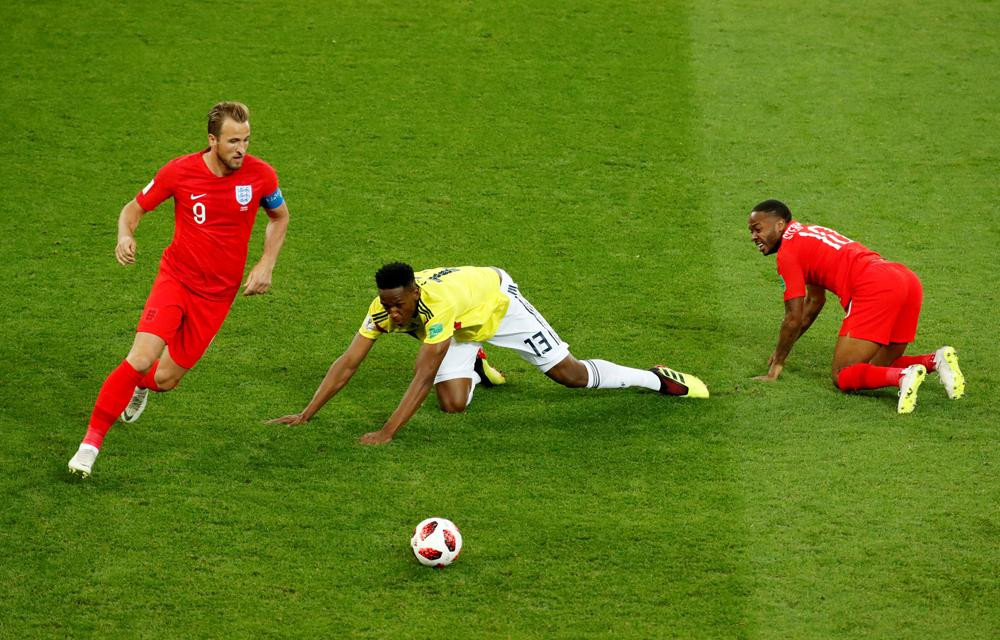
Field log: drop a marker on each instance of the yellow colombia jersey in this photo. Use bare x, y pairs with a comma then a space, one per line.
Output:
460, 302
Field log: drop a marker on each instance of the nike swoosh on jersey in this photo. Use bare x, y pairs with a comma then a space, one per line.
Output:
195, 197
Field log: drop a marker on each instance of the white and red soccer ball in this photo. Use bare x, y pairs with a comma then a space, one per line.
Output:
436, 542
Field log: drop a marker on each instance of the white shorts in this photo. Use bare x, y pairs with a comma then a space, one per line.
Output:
522, 329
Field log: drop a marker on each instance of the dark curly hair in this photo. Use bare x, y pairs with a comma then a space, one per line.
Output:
394, 274
775, 208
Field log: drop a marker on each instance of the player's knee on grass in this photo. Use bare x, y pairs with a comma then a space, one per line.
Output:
846, 379
453, 395
453, 407
835, 377
455, 402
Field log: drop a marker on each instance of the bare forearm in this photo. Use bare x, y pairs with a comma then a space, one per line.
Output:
415, 395
259, 279
274, 238
129, 219
790, 331
428, 361
811, 313
336, 378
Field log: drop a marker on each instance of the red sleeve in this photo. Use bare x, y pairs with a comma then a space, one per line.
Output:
159, 189
792, 277
270, 178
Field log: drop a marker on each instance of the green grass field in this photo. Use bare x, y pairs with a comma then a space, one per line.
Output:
606, 154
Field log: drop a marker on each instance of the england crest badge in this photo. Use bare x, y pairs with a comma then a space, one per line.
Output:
244, 193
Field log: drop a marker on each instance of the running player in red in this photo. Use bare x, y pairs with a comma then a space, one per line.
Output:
882, 300
216, 192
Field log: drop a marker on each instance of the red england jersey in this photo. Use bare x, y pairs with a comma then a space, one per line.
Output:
213, 218
811, 254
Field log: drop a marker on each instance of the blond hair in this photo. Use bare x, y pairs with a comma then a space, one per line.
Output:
236, 111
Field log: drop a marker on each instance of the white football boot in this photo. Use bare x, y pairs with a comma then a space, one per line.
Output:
82, 463
946, 363
136, 405
909, 384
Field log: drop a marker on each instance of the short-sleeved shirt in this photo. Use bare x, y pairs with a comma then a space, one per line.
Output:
811, 254
213, 218
461, 302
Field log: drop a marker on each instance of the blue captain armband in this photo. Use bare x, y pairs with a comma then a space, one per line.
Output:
274, 200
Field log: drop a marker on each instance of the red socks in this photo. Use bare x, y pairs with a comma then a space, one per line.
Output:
111, 401
149, 380
867, 376
926, 360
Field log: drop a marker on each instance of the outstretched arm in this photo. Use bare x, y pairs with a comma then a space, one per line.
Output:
815, 299
336, 378
428, 362
791, 329
128, 220
259, 278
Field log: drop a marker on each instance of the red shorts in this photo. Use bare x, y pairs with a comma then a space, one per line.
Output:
186, 321
885, 304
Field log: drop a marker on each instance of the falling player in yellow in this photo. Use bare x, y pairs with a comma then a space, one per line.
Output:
453, 311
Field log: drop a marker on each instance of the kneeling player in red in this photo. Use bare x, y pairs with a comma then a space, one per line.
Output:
216, 192
882, 301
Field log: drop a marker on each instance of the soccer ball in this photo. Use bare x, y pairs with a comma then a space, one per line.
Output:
436, 542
